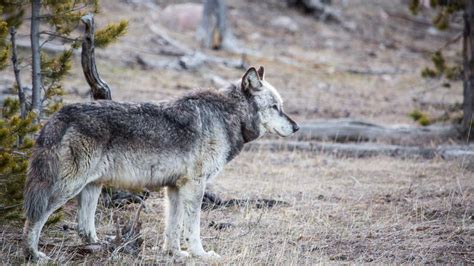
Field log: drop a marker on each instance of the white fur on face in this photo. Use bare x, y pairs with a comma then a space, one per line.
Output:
271, 113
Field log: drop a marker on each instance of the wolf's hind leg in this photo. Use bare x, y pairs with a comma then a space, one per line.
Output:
34, 225
87, 204
174, 221
31, 232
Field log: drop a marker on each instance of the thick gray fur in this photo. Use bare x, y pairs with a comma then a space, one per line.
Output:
178, 144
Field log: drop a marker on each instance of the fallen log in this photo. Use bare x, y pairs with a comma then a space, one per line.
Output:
343, 130
463, 153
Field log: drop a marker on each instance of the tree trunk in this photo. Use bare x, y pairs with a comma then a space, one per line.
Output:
36, 57
214, 30
100, 89
468, 64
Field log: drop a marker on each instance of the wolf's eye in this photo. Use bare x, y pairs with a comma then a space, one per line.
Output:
275, 107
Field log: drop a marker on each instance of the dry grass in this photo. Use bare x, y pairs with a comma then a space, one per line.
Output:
381, 210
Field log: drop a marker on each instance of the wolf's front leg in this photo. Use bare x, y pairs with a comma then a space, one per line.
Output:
174, 221
87, 201
191, 193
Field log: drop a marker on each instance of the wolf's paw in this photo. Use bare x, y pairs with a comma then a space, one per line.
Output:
209, 255
177, 253
180, 254
92, 240
38, 257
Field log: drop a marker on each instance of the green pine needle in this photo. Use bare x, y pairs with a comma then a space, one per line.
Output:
110, 33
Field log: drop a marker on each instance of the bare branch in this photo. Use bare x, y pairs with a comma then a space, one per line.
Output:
47, 16
16, 70
53, 34
451, 41
18, 153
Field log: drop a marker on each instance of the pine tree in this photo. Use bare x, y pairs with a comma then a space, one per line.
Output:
17, 132
13, 155
446, 10
4, 47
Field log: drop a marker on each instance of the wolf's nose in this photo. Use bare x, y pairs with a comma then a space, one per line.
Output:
295, 127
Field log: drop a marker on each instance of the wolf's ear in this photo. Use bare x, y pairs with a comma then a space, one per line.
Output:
261, 72
251, 80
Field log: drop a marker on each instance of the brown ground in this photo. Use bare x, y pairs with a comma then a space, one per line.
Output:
380, 209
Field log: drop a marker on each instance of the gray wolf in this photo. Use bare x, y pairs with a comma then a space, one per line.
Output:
179, 144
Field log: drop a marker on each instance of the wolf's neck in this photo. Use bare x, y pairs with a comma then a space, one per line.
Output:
226, 114
243, 128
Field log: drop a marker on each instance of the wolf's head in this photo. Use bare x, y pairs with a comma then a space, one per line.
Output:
266, 106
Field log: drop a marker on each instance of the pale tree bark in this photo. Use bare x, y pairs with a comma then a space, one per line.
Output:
468, 65
214, 31
35, 54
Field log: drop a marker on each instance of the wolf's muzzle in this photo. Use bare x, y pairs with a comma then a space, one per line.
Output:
295, 127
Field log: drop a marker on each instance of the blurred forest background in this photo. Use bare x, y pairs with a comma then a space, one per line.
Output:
381, 170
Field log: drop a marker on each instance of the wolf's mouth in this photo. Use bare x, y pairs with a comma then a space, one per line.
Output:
280, 134
274, 130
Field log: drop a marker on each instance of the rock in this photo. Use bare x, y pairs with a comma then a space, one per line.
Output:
182, 17
285, 23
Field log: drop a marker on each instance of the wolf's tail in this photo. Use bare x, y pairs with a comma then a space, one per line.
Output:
39, 183
43, 171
